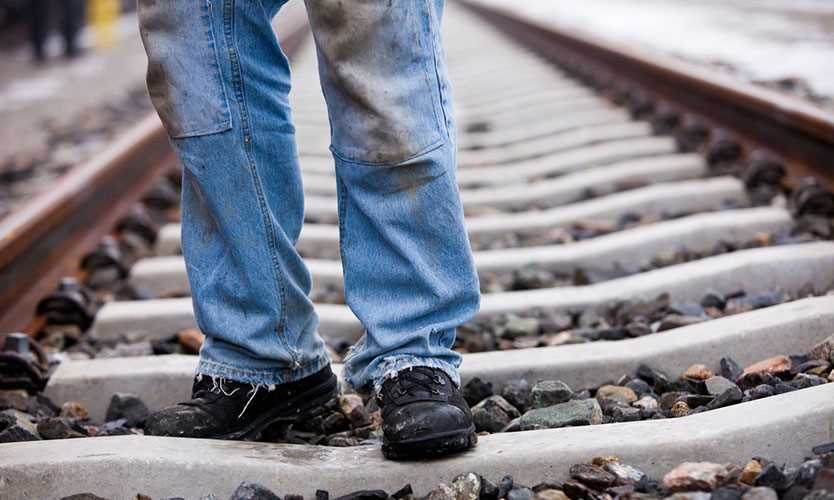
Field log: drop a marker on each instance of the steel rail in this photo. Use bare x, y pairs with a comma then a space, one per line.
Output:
44, 240
795, 130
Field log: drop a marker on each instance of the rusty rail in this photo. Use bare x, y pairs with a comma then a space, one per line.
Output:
45, 239
797, 131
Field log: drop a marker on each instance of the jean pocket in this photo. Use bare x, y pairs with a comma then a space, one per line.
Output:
184, 77
376, 59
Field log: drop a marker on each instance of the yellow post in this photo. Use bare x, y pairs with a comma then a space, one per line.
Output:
103, 16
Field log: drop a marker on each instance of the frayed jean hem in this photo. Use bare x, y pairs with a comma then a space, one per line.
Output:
261, 376
390, 367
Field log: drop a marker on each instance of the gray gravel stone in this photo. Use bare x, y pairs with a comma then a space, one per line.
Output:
576, 412
16, 426
724, 493
493, 414
731, 396
253, 491
593, 475
441, 492
730, 369
806, 380
618, 412
759, 392
692, 495
477, 390
14, 400
808, 472
144, 348
467, 487
58, 428
578, 491
717, 385
520, 494
639, 387
517, 393
760, 493
625, 474
554, 321
549, 392
647, 404
516, 326
128, 407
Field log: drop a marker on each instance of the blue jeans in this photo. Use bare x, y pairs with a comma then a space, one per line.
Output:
220, 83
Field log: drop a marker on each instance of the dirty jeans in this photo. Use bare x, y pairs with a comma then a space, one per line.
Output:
220, 83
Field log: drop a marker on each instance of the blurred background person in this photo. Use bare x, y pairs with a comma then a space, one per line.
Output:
41, 15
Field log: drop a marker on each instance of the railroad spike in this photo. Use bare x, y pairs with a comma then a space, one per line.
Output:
640, 104
763, 177
23, 364
811, 198
763, 169
724, 149
692, 134
162, 196
665, 119
105, 265
138, 222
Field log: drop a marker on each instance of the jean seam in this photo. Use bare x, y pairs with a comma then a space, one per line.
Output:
246, 131
432, 82
227, 107
343, 224
432, 32
343, 213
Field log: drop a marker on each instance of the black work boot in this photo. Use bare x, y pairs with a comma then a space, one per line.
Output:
225, 409
423, 415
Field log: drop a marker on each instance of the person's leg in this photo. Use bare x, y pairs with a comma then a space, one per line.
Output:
71, 24
38, 27
220, 81
409, 272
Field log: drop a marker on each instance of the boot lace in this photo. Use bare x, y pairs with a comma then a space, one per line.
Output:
413, 381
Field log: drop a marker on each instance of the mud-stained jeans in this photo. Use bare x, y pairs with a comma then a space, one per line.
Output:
220, 83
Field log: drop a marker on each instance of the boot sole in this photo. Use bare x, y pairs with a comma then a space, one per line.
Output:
306, 405
431, 446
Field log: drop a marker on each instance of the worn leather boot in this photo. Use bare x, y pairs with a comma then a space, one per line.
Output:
424, 415
225, 409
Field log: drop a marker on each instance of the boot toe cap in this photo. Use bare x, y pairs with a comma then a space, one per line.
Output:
425, 419
177, 421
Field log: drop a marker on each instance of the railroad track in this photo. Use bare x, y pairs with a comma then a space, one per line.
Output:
655, 269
